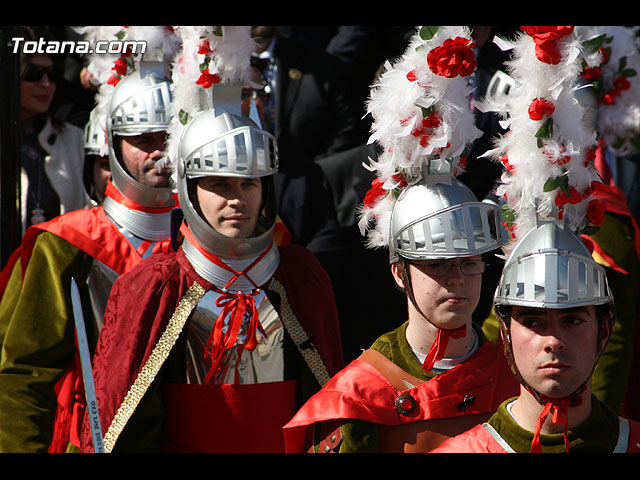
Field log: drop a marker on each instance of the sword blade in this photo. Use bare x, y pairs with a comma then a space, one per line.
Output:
87, 373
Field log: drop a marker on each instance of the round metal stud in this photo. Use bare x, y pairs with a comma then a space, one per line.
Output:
405, 404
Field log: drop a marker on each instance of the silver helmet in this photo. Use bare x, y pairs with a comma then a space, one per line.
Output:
95, 137
550, 267
226, 144
435, 219
140, 103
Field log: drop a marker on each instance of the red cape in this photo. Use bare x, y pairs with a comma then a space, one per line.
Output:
361, 392
479, 440
134, 323
95, 234
89, 230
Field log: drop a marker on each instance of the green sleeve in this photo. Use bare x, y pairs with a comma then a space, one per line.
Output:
616, 237
38, 344
8, 301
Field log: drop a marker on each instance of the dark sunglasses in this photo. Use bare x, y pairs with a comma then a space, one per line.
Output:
34, 73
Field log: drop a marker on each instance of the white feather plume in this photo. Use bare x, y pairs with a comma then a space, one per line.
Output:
619, 112
160, 42
225, 51
397, 104
558, 158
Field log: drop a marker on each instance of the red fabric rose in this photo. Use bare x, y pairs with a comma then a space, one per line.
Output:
432, 121
621, 83
454, 57
411, 76
399, 178
127, 51
507, 165
423, 130
113, 80
573, 198
377, 190
592, 73
207, 79
589, 156
120, 67
545, 39
595, 211
608, 99
204, 48
540, 108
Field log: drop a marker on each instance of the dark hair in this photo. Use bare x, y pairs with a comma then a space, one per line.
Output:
35, 33
267, 209
503, 312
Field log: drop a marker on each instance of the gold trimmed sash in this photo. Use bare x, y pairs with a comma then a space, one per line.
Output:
152, 366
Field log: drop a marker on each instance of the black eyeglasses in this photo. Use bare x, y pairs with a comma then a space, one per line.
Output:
34, 73
440, 268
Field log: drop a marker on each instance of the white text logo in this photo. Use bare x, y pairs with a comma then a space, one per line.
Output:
82, 47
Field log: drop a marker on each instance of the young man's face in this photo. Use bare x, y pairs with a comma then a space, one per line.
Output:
101, 173
230, 205
554, 349
140, 154
448, 300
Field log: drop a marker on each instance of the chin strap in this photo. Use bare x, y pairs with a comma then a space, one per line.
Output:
560, 415
559, 406
436, 352
235, 306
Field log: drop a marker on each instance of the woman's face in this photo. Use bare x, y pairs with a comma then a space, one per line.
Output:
37, 85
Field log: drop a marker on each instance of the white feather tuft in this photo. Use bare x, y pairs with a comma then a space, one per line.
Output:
406, 92
224, 52
619, 111
542, 167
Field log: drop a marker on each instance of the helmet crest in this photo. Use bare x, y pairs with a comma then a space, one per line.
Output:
423, 122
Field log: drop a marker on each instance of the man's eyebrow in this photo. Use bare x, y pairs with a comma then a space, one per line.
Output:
528, 312
542, 311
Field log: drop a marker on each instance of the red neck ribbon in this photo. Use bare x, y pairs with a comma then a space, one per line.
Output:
235, 306
560, 408
436, 352
112, 192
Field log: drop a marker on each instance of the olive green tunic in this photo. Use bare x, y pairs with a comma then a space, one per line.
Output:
37, 342
360, 436
597, 434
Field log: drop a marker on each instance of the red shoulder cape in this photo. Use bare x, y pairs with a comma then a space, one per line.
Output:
361, 392
88, 229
